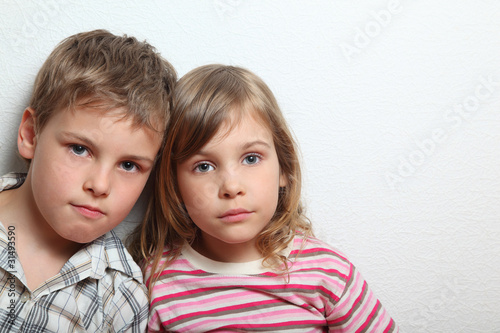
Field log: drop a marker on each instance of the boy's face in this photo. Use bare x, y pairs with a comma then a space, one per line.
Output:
88, 168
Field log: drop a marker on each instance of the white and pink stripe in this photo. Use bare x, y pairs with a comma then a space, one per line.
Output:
325, 293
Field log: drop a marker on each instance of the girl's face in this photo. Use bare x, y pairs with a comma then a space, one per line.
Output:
230, 189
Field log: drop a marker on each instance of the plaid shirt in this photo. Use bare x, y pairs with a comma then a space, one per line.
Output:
99, 289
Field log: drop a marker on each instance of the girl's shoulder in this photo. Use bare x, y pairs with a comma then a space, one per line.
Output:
316, 250
166, 255
309, 242
166, 252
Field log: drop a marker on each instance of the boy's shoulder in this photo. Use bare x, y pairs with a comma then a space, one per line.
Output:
99, 289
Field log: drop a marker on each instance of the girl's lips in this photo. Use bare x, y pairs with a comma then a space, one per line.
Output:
235, 215
88, 211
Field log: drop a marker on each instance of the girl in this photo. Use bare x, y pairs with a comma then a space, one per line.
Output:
228, 246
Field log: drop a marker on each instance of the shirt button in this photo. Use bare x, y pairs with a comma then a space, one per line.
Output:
25, 297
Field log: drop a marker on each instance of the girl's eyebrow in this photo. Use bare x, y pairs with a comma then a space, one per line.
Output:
245, 146
256, 143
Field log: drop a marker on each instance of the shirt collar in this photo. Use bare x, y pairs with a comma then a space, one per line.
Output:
108, 251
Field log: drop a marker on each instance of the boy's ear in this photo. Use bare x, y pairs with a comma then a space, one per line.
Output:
26, 138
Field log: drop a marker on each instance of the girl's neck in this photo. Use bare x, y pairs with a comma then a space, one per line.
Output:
224, 252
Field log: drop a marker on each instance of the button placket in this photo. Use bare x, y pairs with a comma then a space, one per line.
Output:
25, 296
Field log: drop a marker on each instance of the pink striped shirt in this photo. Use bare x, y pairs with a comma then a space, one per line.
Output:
325, 293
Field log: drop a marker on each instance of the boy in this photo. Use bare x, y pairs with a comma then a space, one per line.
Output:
91, 135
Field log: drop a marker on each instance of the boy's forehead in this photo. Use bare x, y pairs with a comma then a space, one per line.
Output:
102, 119
101, 108
109, 113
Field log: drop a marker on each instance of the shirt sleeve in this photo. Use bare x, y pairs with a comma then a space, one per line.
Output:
358, 310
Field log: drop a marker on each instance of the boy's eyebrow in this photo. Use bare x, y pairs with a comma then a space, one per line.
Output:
91, 145
78, 137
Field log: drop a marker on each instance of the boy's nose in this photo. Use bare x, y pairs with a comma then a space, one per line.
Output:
98, 182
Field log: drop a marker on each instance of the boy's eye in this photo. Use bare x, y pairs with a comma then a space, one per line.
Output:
203, 167
129, 166
78, 150
251, 159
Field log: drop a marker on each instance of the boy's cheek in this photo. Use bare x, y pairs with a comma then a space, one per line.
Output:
128, 192
65, 171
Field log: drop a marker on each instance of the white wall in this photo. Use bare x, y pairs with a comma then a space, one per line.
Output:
395, 103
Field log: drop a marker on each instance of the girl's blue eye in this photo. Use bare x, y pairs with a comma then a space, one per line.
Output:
203, 167
78, 150
129, 166
251, 159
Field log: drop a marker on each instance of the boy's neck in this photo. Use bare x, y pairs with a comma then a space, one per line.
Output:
41, 251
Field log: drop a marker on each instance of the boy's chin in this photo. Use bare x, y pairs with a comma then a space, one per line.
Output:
81, 238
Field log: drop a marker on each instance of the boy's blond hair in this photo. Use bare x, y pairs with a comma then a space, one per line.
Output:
97, 68
204, 100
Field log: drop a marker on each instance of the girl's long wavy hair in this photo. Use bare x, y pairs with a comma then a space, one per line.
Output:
205, 99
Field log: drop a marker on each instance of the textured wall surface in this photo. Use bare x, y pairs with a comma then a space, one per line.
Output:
395, 104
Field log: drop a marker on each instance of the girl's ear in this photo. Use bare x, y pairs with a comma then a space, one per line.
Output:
26, 138
283, 180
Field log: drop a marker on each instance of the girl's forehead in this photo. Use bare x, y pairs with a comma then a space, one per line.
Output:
200, 132
236, 119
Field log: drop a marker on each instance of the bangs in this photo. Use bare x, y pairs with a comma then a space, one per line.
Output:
195, 132
201, 108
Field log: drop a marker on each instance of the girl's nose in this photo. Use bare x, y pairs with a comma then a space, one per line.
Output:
231, 186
